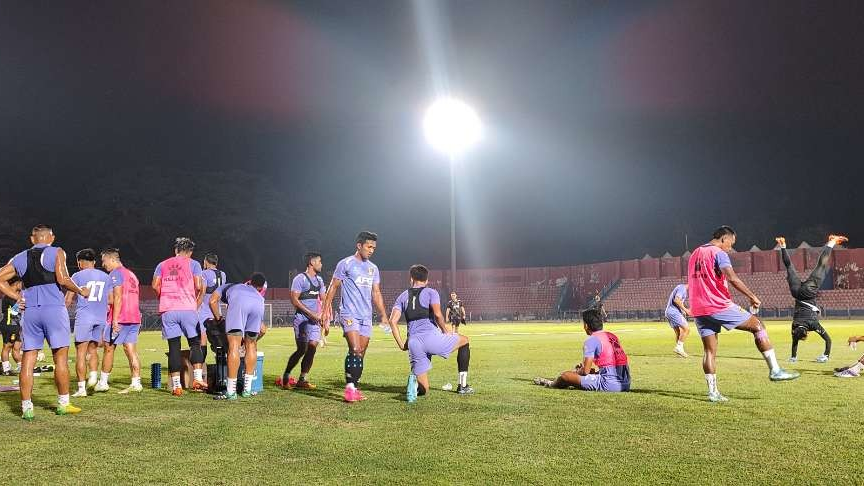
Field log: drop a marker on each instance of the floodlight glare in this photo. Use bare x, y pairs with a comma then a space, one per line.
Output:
451, 126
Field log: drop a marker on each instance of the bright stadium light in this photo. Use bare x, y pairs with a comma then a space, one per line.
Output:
451, 126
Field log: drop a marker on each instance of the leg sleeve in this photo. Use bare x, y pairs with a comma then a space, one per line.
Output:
824, 335
818, 273
791, 275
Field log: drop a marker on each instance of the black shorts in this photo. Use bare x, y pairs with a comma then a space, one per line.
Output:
810, 324
456, 322
11, 334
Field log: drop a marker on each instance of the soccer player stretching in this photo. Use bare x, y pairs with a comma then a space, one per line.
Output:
306, 290
676, 314
708, 271
427, 334
180, 288
43, 271
601, 348
359, 283
806, 314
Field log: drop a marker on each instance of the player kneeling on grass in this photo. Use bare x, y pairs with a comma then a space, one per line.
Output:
601, 348
428, 334
242, 325
855, 369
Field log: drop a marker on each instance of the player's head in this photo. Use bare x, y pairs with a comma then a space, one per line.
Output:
86, 258
16, 283
184, 246
110, 258
211, 259
452, 295
799, 333
366, 241
725, 237
313, 261
259, 282
42, 234
419, 274
592, 321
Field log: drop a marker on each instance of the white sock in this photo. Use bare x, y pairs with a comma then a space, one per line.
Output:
63, 400
82, 386
136, 381
831, 244
198, 374
303, 376
247, 383
91, 376
771, 359
26, 405
463, 378
680, 345
232, 386
175, 382
711, 379
6, 366
103, 377
350, 386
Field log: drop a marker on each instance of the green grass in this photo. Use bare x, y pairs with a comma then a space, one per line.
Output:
806, 431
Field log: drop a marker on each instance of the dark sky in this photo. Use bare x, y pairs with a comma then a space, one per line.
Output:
611, 128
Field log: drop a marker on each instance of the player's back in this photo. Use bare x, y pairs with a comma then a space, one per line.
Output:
95, 306
241, 294
708, 291
680, 292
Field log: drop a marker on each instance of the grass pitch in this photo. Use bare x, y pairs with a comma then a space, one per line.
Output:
663, 432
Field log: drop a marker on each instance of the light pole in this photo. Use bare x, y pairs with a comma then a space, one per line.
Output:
451, 127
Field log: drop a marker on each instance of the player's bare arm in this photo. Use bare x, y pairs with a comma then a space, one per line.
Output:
63, 277
739, 285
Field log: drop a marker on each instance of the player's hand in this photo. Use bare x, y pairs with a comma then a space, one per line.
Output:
85, 292
755, 302
404, 346
22, 304
115, 327
326, 325
317, 317
263, 330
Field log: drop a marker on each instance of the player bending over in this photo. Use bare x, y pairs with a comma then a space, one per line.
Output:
708, 271
806, 315
603, 349
242, 325
428, 335
676, 314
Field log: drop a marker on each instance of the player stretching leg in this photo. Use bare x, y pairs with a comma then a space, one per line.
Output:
125, 320
601, 348
708, 271
306, 290
358, 281
243, 325
428, 335
806, 314
43, 271
855, 369
676, 314
10, 327
90, 320
180, 288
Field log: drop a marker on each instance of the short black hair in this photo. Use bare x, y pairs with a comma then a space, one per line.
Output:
39, 228
114, 252
722, 231
258, 280
593, 319
365, 236
184, 244
309, 256
15, 279
419, 273
211, 257
86, 255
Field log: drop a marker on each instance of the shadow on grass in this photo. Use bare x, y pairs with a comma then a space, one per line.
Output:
699, 397
12, 400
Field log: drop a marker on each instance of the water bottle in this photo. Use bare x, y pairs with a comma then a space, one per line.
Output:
156, 375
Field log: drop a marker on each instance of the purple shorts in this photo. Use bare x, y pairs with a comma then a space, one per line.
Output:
596, 382
180, 323
41, 323
728, 319
675, 318
421, 348
306, 331
245, 318
86, 330
128, 334
351, 324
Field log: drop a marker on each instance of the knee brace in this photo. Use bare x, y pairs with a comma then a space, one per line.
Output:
175, 361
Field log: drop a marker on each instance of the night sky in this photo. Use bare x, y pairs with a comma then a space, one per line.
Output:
263, 129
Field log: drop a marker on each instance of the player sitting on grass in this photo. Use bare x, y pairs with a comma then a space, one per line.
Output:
243, 325
806, 314
855, 369
427, 334
601, 348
